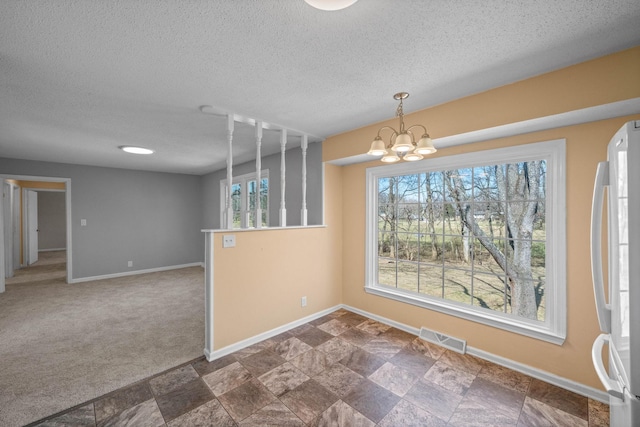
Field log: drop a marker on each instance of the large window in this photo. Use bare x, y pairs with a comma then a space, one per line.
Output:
478, 235
243, 200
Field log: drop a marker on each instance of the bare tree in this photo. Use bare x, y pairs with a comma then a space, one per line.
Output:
520, 184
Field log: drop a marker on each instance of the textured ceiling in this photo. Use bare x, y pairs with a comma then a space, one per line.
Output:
78, 78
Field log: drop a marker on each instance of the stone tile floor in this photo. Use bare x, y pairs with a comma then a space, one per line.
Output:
340, 370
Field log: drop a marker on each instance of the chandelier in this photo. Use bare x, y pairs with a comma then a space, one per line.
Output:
402, 144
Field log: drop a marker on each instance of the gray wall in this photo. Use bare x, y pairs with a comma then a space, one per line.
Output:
293, 190
153, 219
52, 222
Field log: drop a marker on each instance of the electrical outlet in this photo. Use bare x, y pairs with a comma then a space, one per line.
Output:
129, 263
229, 241
303, 301
83, 223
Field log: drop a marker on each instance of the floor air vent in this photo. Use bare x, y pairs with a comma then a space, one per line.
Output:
446, 341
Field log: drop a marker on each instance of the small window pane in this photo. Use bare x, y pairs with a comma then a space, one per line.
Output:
458, 184
408, 276
431, 187
408, 246
483, 260
485, 186
489, 291
409, 217
431, 280
387, 272
457, 285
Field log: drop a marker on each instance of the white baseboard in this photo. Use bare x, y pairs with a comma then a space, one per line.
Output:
213, 355
136, 272
548, 377
52, 250
545, 376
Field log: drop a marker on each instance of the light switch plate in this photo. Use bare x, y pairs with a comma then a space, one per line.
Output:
229, 241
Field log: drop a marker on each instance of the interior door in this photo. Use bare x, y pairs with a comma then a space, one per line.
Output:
32, 226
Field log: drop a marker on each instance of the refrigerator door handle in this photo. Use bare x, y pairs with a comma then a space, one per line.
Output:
602, 308
612, 387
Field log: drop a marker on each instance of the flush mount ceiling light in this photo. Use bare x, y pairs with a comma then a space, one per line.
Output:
402, 144
135, 150
330, 4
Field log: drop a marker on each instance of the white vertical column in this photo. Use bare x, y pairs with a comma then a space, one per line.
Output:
229, 203
208, 294
303, 212
258, 222
283, 178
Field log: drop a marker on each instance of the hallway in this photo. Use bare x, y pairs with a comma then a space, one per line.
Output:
51, 266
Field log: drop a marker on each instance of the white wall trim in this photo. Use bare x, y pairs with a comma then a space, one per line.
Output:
213, 355
136, 272
556, 380
569, 118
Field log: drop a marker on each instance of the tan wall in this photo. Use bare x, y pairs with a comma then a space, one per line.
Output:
609, 79
259, 283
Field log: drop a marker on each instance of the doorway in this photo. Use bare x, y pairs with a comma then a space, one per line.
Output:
23, 250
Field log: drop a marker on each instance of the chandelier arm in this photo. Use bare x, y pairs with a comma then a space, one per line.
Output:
387, 127
420, 126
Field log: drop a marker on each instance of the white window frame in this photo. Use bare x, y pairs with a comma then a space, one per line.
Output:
243, 180
553, 329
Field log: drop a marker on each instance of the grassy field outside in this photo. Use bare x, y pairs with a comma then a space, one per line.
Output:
407, 261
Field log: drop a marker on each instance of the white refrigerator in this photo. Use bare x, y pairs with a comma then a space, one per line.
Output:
618, 187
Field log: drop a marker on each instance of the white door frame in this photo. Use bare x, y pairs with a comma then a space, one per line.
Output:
67, 182
25, 212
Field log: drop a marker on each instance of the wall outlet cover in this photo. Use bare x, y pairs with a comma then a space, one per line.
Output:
229, 241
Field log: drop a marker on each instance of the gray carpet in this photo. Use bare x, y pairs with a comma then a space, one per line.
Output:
61, 345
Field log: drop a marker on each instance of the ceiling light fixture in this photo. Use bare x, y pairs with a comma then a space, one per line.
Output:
402, 144
135, 150
330, 4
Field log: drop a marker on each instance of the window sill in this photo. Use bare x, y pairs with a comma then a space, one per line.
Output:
466, 312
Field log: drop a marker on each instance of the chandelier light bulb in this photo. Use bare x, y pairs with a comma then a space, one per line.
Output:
377, 147
425, 145
390, 158
412, 157
403, 143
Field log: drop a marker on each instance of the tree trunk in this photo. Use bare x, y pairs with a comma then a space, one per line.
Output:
520, 186
431, 218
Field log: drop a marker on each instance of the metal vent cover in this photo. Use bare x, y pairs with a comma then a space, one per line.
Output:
456, 344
